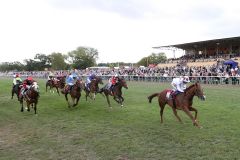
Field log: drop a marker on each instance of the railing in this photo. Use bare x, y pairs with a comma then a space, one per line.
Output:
223, 80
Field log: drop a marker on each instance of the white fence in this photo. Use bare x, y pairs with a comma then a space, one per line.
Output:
202, 79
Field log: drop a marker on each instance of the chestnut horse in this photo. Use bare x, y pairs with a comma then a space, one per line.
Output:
117, 91
75, 93
59, 83
93, 88
183, 101
31, 98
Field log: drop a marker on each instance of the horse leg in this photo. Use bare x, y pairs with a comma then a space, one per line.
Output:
186, 110
12, 93
67, 99
35, 108
175, 113
77, 101
195, 110
58, 91
21, 102
162, 106
121, 100
108, 101
86, 95
73, 102
28, 106
94, 96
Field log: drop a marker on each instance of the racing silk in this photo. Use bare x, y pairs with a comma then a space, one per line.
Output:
113, 80
27, 83
70, 81
17, 80
90, 78
177, 84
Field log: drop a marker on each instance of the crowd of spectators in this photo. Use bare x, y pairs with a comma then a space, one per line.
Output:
218, 73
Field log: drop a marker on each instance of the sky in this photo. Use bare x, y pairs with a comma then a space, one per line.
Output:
121, 30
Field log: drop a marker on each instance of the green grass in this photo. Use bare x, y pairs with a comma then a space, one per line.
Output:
93, 131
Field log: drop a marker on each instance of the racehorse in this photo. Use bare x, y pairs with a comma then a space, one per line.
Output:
75, 93
183, 101
117, 91
16, 89
31, 98
60, 83
93, 88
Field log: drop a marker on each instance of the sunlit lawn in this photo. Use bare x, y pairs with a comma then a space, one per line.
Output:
93, 131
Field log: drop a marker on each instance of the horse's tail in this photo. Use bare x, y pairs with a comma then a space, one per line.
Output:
152, 96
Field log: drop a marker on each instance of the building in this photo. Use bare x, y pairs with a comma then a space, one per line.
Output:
225, 47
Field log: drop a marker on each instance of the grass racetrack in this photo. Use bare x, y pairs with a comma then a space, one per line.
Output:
92, 131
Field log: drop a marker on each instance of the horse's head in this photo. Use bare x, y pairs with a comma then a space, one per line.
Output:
99, 80
122, 82
199, 91
35, 87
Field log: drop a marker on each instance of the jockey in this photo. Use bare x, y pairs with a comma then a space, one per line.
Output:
70, 81
179, 84
112, 81
89, 80
50, 76
26, 85
16, 79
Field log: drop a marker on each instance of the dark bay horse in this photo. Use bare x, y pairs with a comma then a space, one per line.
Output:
16, 90
183, 101
117, 91
75, 93
31, 98
93, 88
58, 84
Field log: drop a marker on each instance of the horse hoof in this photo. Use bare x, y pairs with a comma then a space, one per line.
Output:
122, 105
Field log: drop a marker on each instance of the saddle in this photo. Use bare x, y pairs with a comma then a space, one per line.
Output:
171, 95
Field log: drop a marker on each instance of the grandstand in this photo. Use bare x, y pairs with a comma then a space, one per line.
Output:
205, 52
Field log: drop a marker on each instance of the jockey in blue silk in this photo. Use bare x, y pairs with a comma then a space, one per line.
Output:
89, 80
71, 80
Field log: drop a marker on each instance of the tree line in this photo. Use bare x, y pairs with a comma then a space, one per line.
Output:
80, 58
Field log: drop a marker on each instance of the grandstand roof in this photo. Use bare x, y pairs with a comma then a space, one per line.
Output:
200, 45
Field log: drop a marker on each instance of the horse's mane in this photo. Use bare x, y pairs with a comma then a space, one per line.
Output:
188, 88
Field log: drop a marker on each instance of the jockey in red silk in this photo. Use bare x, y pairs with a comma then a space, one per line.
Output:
112, 81
26, 85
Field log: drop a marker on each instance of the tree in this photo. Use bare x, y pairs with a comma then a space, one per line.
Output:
83, 57
153, 59
31, 65
42, 61
11, 66
58, 61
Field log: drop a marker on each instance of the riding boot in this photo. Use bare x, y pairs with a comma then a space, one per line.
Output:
111, 89
70, 89
88, 86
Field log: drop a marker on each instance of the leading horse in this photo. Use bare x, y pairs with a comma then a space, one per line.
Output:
75, 93
31, 97
183, 101
93, 88
117, 91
